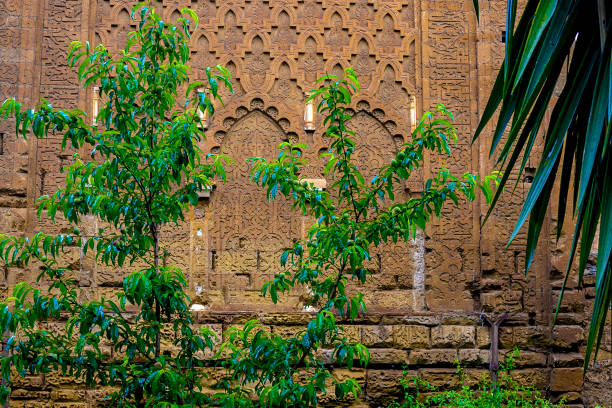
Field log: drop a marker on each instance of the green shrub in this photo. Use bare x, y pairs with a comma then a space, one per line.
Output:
474, 392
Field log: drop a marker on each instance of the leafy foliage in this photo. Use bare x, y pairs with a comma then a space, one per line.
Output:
352, 217
551, 37
474, 393
144, 169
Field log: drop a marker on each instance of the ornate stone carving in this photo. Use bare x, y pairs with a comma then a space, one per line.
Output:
258, 12
336, 36
257, 62
230, 34
247, 232
202, 56
362, 13
393, 93
285, 88
283, 34
311, 61
364, 63
388, 38
310, 12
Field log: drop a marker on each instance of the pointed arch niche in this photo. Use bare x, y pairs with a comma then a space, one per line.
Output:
246, 233
398, 281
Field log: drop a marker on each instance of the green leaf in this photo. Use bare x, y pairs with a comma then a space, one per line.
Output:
542, 17
510, 18
555, 137
595, 126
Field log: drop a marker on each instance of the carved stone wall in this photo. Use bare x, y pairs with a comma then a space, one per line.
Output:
425, 297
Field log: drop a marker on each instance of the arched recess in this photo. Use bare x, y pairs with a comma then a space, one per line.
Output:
375, 145
398, 269
246, 232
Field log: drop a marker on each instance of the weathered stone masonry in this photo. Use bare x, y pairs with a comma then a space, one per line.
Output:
426, 297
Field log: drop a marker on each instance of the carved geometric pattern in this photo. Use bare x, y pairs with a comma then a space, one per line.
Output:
275, 50
13, 150
277, 43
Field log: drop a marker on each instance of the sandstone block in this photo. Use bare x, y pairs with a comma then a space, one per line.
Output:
483, 337
440, 377
55, 379
566, 379
526, 358
460, 320
377, 336
397, 299
96, 396
383, 383
68, 395
571, 319
532, 377
446, 357
301, 318
352, 332
357, 374
388, 356
524, 337
569, 397
573, 301
568, 337
23, 394
475, 376
473, 357
30, 404
453, 336
287, 331
411, 336
568, 359
29, 381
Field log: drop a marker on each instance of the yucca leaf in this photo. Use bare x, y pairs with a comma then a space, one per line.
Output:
562, 114
530, 107
543, 15
555, 44
529, 134
536, 220
510, 18
598, 316
492, 104
605, 228
589, 228
497, 92
595, 126
566, 173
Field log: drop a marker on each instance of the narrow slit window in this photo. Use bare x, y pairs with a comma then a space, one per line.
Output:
309, 115
95, 106
413, 115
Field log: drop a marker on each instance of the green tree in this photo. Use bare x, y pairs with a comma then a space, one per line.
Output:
550, 37
143, 171
352, 217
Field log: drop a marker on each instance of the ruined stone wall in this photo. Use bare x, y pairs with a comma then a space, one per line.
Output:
428, 298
